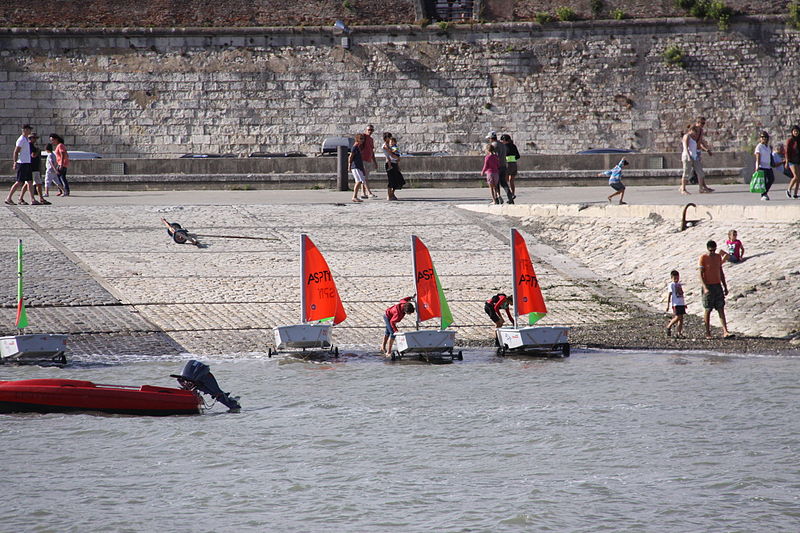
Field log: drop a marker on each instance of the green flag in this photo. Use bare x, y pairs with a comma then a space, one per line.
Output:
447, 316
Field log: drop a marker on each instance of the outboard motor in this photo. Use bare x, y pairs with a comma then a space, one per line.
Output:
197, 375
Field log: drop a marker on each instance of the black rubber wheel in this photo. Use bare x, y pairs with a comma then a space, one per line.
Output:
269, 352
180, 236
336, 351
460, 356
565, 350
395, 356
503, 350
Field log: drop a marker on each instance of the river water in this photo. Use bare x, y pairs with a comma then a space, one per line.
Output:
602, 441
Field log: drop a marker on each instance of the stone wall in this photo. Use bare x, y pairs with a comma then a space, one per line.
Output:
556, 89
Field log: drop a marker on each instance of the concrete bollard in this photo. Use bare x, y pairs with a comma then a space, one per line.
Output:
342, 154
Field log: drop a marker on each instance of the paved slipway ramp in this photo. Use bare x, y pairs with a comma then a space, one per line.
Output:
111, 277
64, 294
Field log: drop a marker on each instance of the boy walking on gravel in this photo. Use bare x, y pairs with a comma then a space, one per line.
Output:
676, 301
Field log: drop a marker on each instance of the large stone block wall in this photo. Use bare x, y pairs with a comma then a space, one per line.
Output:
559, 89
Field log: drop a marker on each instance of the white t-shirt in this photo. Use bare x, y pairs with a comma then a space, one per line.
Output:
25, 150
762, 153
691, 144
676, 293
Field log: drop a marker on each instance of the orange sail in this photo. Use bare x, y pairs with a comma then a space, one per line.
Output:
320, 299
431, 302
528, 298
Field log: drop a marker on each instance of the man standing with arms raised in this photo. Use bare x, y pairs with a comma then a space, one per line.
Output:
22, 164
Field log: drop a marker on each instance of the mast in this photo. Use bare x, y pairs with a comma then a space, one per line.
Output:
22, 317
303, 277
514, 273
414, 275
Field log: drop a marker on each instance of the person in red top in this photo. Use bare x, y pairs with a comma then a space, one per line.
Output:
62, 160
391, 317
715, 288
368, 157
493, 306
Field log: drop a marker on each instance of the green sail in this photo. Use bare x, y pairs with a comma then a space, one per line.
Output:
447, 316
533, 318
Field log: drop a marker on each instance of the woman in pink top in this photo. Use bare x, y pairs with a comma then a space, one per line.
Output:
62, 160
491, 168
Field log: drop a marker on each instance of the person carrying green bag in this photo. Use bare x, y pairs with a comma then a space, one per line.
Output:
763, 177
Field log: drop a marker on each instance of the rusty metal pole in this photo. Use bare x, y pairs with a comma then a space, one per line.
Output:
342, 154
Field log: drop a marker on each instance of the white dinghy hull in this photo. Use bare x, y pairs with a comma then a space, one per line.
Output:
425, 342
533, 339
304, 336
42, 348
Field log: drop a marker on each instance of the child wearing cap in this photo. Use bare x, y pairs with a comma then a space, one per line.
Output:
615, 180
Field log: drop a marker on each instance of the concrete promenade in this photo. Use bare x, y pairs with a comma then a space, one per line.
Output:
99, 264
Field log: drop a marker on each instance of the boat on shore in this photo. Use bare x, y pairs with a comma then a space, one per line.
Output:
75, 396
528, 300
320, 307
431, 345
38, 349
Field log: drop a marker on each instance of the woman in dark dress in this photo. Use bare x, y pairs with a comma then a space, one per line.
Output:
393, 173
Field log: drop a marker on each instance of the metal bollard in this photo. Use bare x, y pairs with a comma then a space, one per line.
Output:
342, 154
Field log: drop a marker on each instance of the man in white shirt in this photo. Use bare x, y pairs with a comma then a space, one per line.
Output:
22, 164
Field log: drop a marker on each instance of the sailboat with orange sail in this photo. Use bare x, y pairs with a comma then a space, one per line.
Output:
320, 305
528, 300
429, 344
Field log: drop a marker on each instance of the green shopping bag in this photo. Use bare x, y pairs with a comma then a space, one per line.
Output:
758, 184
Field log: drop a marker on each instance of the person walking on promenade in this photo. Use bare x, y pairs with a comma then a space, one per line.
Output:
763, 154
36, 171
62, 160
676, 302
793, 162
690, 156
491, 169
393, 174
615, 180
501, 151
368, 156
22, 164
51, 174
391, 317
512, 156
356, 165
715, 288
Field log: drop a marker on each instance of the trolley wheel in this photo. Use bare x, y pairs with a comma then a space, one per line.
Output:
180, 236
460, 356
335, 351
270, 351
565, 349
395, 356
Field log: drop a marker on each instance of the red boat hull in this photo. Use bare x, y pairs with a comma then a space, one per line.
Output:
65, 395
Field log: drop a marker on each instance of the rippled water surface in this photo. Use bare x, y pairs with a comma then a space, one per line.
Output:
597, 442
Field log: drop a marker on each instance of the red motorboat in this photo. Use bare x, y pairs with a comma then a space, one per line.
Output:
70, 395
63, 395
